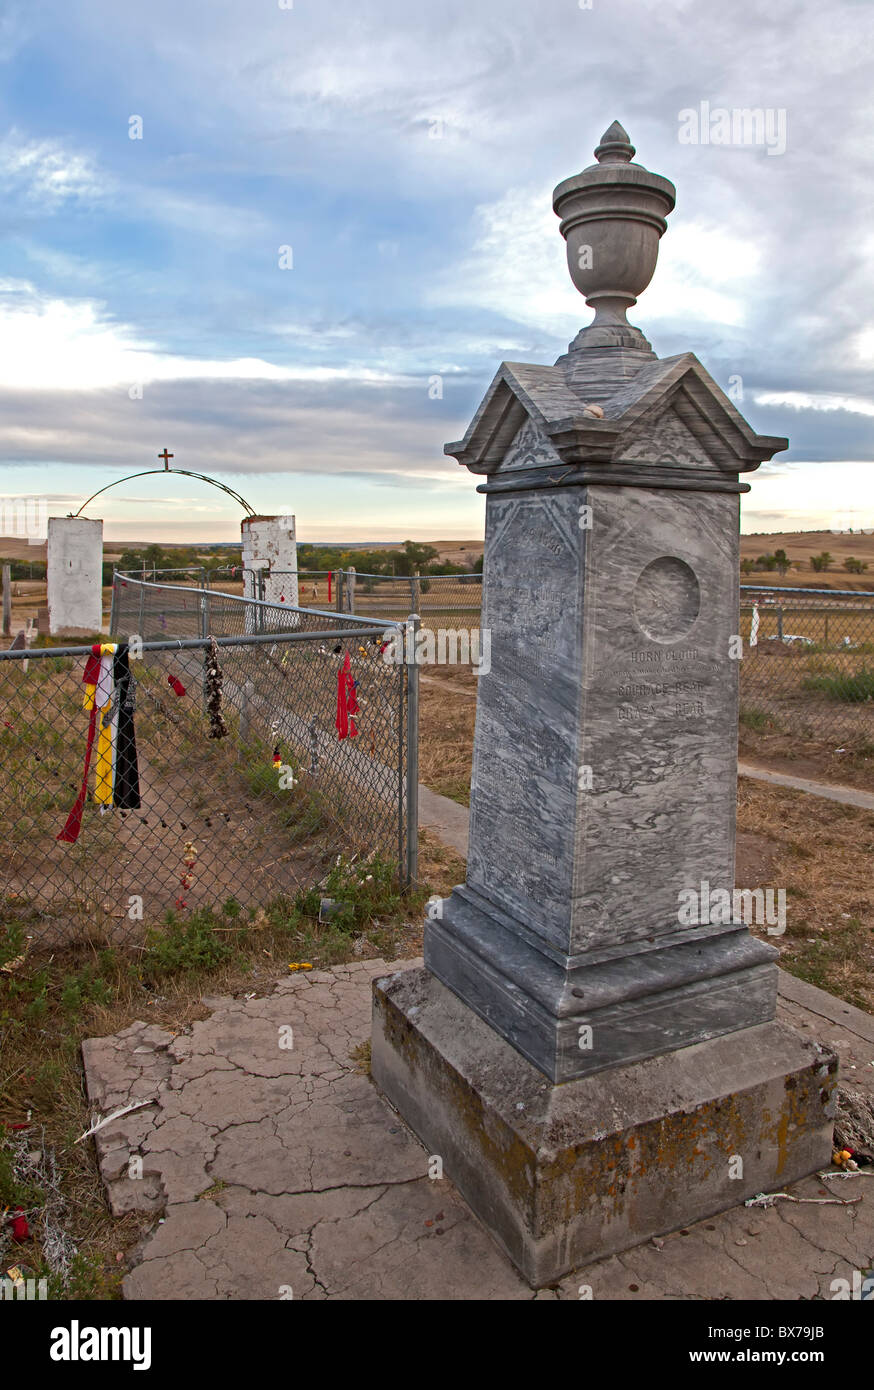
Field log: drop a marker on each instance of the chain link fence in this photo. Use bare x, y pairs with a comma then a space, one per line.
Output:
173, 610
808, 667
216, 776
391, 596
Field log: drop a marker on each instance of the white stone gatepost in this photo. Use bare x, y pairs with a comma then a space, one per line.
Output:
270, 546
74, 574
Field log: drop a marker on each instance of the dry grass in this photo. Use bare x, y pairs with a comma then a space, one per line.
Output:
821, 852
820, 760
447, 711
41, 1081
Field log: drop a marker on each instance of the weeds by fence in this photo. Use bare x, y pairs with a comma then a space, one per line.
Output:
247, 819
808, 666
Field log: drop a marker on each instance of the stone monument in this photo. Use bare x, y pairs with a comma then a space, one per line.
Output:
592, 1071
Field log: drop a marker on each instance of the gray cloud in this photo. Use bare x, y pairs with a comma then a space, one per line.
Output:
320, 119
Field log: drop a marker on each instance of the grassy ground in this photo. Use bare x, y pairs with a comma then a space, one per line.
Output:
50, 1002
821, 852
763, 742
447, 710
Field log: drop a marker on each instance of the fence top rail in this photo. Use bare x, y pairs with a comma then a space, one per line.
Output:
827, 593
213, 594
462, 574
188, 643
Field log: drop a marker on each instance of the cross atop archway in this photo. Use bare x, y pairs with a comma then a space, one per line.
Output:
165, 457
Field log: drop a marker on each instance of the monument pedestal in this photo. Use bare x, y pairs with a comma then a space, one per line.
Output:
565, 1174
573, 1015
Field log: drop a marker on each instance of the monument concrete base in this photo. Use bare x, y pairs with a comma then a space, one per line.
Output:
564, 1174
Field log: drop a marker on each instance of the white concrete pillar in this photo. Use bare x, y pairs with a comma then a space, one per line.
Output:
270, 545
74, 574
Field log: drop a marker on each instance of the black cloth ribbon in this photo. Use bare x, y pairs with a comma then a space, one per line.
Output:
126, 785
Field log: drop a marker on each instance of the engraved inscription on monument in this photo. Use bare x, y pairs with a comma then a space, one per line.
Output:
523, 790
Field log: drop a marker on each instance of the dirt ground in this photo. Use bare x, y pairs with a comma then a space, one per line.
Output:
817, 759
822, 854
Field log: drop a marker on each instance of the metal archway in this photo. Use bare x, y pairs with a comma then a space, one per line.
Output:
183, 472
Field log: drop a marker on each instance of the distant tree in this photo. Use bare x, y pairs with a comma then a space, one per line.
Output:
447, 567
766, 562
853, 566
746, 566
820, 562
414, 557
782, 560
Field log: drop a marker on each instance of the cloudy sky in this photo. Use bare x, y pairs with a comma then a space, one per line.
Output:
335, 201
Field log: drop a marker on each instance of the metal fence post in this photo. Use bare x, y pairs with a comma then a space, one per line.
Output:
780, 622
142, 610
7, 600
246, 695
412, 798
112, 604
338, 576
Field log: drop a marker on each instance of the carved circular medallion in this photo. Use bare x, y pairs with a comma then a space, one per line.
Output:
667, 599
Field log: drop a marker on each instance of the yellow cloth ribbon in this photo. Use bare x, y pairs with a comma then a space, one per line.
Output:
103, 767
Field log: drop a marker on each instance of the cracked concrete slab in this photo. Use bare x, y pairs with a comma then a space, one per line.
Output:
274, 1169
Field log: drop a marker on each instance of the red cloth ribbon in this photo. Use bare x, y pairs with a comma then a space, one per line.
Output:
91, 674
176, 685
347, 704
20, 1228
70, 833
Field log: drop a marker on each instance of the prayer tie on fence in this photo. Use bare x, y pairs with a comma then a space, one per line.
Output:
109, 698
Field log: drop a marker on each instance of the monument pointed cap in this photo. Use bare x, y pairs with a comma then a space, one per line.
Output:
615, 146
612, 216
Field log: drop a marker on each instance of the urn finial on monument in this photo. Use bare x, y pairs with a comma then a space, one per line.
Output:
612, 216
